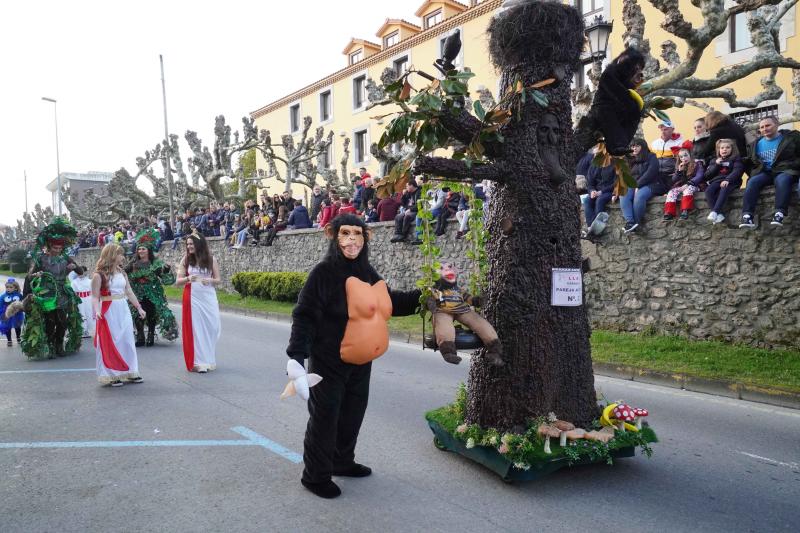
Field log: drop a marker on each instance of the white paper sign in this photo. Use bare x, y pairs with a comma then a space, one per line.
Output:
567, 287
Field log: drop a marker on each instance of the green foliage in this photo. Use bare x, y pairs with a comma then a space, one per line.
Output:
18, 255
19, 268
279, 286
527, 448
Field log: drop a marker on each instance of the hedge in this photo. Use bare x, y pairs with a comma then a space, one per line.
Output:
278, 286
5, 266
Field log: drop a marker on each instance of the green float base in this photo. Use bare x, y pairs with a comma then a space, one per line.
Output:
494, 461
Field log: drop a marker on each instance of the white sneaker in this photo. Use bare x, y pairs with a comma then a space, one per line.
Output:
718, 218
202, 371
712, 216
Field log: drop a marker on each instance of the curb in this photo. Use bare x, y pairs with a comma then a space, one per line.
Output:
716, 387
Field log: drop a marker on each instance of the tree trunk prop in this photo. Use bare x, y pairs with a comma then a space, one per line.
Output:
534, 224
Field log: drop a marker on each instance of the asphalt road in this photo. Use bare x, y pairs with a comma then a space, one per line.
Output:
721, 465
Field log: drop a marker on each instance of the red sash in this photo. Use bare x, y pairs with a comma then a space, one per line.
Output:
186, 331
111, 356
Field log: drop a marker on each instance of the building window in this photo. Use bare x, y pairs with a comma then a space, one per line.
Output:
433, 19
359, 91
740, 33
327, 156
325, 106
400, 66
391, 39
356, 56
753, 116
360, 142
294, 118
589, 6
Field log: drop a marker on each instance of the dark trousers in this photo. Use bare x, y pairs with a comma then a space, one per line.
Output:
716, 196
151, 318
403, 222
593, 206
783, 190
8, 333
336, 407
55, 327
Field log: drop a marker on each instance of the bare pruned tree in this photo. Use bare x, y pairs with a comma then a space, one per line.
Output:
674, 75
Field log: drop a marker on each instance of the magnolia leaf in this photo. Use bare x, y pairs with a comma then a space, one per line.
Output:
380, 117
540, 98
624, 172
519, 87
435, 84
661, 115
601, 159
543, 83
660, 102
620, 188
479, 111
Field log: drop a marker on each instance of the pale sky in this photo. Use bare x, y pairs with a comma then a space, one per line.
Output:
99, 60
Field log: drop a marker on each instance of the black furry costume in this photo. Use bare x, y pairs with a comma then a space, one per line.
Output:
337, 404
614, 111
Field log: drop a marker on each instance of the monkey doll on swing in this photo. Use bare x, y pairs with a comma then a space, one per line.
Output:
448, 303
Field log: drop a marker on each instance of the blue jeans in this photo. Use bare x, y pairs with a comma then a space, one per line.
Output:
634, 203
593, 206
783, 191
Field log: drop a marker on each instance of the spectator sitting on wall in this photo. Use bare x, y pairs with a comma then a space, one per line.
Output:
388, 207
644, 169
298, 218
600, 183
326, 214
775, 159
347, 207
367, 194
317, 195
721, 126
287, 201
665, 148
371, 212
700, 141
279, 225
406, 218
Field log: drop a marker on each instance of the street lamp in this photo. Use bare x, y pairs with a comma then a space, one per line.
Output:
597, 34
58, 163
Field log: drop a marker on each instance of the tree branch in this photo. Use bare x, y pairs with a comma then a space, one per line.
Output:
458, 170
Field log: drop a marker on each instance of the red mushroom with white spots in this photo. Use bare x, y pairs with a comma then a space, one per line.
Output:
623, 413
639, 413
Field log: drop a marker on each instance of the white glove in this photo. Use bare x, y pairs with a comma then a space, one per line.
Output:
299, 380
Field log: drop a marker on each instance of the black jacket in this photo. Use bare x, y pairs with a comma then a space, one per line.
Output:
725, 130
409, 200
730, 170
787, 158
600, 179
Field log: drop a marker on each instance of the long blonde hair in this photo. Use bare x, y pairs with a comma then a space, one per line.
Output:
107, 264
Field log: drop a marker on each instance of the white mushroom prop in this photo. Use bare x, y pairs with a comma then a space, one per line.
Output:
564, 426
548, 431
623, 413
639, 413
575, 434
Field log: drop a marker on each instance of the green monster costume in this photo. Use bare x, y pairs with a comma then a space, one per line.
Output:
147, 279
53, 305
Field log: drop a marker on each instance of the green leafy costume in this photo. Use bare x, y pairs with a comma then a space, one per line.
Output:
147, 280
54, 306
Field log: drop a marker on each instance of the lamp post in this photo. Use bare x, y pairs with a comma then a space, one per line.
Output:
58, 163
597, 34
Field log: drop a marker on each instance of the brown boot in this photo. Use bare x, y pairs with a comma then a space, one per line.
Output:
493, 351
448, 351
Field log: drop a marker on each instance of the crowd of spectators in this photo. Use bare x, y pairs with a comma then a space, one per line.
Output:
718, 160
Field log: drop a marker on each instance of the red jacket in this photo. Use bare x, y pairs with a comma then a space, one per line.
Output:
347, 209
327, 216
387, 208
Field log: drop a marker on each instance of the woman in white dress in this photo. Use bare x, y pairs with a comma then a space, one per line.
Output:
114, 339
199, 274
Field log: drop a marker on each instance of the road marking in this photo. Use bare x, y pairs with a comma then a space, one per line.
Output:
793, 466
47, 371
251, 439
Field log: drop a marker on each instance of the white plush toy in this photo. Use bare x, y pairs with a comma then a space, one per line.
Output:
299, 380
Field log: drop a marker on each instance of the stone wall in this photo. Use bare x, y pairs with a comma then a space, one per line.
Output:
687, 277
697, 280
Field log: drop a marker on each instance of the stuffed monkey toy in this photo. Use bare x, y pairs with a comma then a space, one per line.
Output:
447, 304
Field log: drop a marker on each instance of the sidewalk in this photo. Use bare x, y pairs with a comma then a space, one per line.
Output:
729, 389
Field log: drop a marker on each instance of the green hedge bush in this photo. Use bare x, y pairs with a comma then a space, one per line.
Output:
19, 268
278, 286
5, 266
18, 255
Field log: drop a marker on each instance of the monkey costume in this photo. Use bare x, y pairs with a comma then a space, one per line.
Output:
323, 331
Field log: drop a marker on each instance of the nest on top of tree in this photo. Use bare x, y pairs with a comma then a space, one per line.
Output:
531, 31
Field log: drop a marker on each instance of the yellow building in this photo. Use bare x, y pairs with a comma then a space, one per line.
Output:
338, 101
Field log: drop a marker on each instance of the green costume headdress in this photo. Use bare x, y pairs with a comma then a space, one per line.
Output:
147, 238
59, 231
